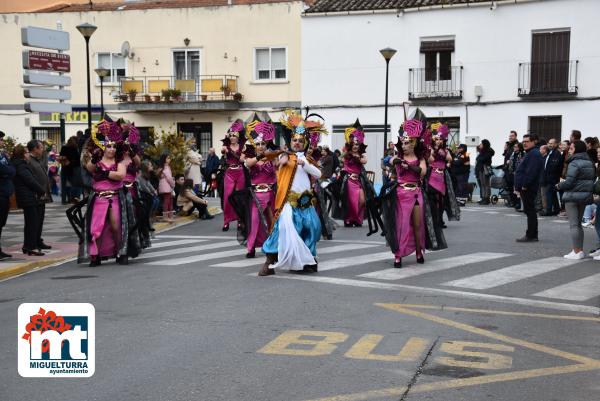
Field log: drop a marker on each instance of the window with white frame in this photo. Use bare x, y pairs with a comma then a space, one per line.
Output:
270, 63
116, 64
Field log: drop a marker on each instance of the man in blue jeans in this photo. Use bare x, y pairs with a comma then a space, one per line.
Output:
527, 183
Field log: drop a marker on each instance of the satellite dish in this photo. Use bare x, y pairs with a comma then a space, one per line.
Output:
125, 49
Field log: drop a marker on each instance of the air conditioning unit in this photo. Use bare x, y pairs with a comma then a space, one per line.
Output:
472, 140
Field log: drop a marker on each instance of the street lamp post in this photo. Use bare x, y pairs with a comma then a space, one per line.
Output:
102, 73
387, 54
87, 30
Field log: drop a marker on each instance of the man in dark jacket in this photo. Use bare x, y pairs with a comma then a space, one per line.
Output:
212, 165
7, 172
40, 173
527, 183
553, 165
326, 163
512, 141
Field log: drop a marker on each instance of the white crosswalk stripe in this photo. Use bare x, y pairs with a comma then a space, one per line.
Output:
179, 251
175, 243
434, 266
225, 252
578, 290
354, 261
511, 274
198, 258
322, 251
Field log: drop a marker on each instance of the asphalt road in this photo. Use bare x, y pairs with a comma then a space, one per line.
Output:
486, 319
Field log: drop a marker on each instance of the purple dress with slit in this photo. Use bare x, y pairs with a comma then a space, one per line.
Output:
105, 240
234, 180
438, 167
261, 176
408, 194
354, 212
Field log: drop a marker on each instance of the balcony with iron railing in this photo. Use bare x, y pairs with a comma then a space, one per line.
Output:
557, 78
200, 92
435, 83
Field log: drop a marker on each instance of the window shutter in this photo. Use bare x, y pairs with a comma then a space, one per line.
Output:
262, 64
437, 46
278, 63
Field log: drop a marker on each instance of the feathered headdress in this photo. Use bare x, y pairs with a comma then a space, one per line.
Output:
107, 131
441, 130
259, 131
355, 133
310, 130
237, 128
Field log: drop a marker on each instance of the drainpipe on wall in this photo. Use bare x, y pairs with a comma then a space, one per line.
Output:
466, 119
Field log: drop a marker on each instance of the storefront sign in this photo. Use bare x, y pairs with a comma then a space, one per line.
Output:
78, 115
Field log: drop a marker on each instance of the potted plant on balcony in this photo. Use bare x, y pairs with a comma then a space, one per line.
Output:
132, 94
123, 97
176, 95
204, 97
238, 97
166, 94
156, 98
147, 98
226, 90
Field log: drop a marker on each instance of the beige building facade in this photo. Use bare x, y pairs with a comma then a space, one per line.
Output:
227, 61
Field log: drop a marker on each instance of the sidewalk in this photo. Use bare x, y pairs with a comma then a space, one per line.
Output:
59, 234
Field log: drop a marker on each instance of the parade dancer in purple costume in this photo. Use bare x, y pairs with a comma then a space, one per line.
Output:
107, 221
439, 160
409, 213
234, 178
262, 169
353, 190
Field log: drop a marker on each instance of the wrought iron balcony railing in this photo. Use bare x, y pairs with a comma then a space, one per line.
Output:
435, 83
552, 78
156, 89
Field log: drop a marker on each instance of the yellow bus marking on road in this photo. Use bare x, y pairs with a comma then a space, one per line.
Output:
584, 364
363, 349
322, 346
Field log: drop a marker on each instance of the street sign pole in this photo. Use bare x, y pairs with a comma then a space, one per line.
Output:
47, 69
63, 135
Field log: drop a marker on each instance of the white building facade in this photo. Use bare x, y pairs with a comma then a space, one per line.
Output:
484, 68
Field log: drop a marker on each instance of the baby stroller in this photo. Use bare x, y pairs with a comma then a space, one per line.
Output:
497, 181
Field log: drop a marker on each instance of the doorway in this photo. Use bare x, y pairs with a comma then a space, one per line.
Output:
202, 132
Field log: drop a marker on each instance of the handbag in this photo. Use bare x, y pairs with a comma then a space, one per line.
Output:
597, 187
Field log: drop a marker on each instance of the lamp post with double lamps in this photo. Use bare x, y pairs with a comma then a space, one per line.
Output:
387, 54
102, 73
87, 30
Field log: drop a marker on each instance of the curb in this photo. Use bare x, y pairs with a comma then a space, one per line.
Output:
28, 267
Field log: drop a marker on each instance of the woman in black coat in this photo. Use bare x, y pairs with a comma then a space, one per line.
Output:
27, 191
483, 170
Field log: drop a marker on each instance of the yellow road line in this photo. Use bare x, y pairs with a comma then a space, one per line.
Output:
486, 333
458, 383
507, 313
586, 364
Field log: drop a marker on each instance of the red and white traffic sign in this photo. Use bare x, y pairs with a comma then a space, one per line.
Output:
47, 61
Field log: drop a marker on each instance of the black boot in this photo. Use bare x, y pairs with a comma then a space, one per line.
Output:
4, 255
123, 260
265, 270
95, 261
